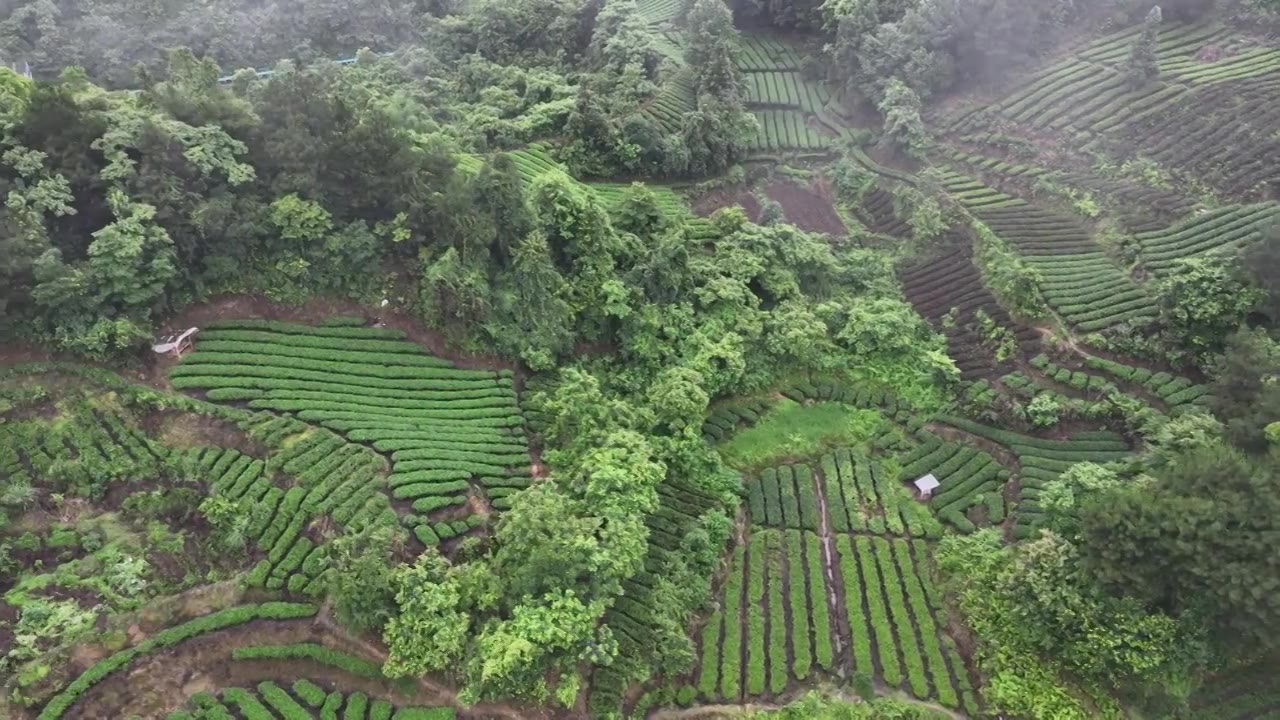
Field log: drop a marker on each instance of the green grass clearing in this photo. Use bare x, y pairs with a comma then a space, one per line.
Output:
792, 430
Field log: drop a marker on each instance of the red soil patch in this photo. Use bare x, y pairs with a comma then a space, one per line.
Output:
809, 208
711, 202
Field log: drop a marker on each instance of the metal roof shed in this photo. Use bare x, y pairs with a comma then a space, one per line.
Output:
927, 484
175, 344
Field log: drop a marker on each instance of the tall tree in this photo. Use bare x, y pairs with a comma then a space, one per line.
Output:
1199, 542
1204, 299
1245, 391
1143, 66
1262, 261
901, 108
711, 48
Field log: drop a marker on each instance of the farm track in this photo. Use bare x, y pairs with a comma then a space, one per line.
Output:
829, 569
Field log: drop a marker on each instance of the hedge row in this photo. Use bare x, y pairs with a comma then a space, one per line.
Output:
730, 668
807, 497
819, 613
288, 328
859, 396
859, 632
725, 419
184, 377
310, 651
709, 667
754, 630
790, 498
360, 351
899, 618
195, 364
480, 416
257, 381
63, 701
837, 514
499, 403
920, 609
1173, 390
248, 704
416, 490
1108, 443
277, 699
863, 513
798, 603
310, 698
507, 459
368, 432
775, 571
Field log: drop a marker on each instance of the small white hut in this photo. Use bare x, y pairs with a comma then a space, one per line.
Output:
926, 485
176, 344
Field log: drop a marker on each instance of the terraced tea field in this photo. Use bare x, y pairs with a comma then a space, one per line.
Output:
783, 619
1143, 208
1223, 231
1208, 117
455, 437
947, 289
1043, 460
788, 106
1081, 283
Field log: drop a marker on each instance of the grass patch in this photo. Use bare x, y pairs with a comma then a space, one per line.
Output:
792, 430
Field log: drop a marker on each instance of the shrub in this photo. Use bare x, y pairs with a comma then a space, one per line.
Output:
248, 705
863, 686
310, 693
281, 702
357, 705
381, 710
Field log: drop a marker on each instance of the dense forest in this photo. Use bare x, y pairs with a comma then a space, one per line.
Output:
867, 359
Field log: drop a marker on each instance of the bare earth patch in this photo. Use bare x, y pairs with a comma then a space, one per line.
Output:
186, 430
808, 207
708, 204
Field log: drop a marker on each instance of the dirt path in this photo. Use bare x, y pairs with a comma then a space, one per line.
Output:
828, 561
